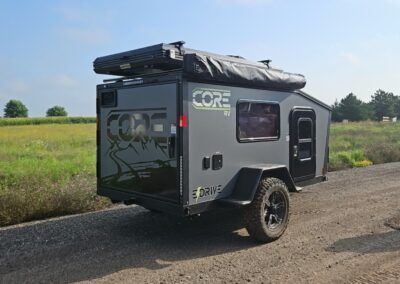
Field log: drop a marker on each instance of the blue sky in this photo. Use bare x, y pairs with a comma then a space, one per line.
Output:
341, 46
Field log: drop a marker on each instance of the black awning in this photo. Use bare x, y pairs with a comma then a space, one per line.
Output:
240, 72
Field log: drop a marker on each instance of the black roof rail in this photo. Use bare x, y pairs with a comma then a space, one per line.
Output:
178, 44
266, 62
236, 56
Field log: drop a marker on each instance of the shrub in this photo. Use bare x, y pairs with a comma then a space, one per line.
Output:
348, 159
363, 163
38, 202
337, 164
56, 111
45, 120
383, 152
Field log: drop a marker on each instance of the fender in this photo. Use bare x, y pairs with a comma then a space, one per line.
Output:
249, 179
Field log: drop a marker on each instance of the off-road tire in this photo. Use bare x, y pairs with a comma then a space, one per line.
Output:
256, 213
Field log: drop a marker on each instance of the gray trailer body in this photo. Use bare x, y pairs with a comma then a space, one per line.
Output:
213, 132
174, 143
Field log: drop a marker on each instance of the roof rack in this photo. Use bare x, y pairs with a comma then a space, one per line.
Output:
138, 77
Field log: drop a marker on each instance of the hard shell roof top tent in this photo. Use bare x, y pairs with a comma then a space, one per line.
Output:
184, 131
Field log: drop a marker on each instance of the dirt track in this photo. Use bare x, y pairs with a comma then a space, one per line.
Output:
337, 233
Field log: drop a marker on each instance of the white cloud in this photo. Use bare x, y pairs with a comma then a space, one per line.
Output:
18, 86
14, 88
63, 81
351, 58
73, 13
3, 96
84, 25
392, 2
86, 35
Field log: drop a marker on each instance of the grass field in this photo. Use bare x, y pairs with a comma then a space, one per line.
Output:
362, 144
49, 170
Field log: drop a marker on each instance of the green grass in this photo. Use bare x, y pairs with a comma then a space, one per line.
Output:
45, 120
47, 170
363, 143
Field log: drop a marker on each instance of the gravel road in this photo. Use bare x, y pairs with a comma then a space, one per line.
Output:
340, 231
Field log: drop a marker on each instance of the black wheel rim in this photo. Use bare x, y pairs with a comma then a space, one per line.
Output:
275, 210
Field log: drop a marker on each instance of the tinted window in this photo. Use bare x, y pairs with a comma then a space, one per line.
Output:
258, 121
305, 128
108, 99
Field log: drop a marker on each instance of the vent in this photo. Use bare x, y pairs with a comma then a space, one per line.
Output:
109, 99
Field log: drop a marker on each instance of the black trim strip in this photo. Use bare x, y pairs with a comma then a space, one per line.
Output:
311, 181
326, 160
145, 201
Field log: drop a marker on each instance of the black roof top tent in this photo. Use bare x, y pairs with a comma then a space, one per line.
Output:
200, 65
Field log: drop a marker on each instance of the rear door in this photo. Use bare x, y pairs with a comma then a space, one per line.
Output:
302, 144
138, 144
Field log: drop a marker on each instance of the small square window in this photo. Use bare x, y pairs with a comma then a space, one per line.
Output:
108, 99
258, 121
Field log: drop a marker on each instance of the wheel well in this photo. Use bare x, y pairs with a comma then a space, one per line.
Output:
249, 180
282, 174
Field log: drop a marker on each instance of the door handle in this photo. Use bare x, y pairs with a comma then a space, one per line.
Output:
171, 146
295, 151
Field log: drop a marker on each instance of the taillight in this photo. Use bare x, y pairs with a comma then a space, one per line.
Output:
183, 121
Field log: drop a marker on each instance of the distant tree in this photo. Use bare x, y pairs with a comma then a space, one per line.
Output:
384, 104
336, 114
56, 111
397, 107
367, 111
15, 108
351, 108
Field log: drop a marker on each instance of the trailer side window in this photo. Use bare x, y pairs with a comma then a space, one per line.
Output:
257, 121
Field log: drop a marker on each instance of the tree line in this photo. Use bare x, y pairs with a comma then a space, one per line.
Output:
351, 108
15, 108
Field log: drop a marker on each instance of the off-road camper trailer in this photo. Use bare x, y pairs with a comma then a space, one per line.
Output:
184, 131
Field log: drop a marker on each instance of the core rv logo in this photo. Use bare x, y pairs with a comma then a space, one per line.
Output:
201, 192
135, 126
212, 99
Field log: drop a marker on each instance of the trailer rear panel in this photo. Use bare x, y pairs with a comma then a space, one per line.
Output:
138, 138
